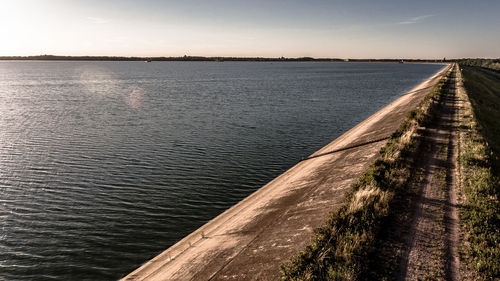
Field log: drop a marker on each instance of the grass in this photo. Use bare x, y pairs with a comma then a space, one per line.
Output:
339, 248
484, 94
479, 164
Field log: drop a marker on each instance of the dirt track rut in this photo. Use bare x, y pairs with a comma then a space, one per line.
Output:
433, 236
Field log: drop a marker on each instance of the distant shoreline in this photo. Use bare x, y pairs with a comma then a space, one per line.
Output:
201, 58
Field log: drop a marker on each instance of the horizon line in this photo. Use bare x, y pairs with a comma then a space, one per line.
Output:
196, 57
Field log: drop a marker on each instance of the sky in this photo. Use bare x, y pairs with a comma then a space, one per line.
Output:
263, 28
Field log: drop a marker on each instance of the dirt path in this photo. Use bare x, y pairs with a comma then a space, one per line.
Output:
451, 218
433, 235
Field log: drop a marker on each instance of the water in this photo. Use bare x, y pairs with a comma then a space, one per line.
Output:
105, 164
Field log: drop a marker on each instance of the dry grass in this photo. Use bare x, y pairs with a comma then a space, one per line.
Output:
365, 197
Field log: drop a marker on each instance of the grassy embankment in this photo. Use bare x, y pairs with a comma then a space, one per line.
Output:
480, 170
339, 248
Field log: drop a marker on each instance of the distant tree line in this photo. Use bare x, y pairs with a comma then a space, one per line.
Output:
182, 58
198, 58
493, 64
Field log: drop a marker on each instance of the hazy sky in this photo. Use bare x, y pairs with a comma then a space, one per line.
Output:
268, 28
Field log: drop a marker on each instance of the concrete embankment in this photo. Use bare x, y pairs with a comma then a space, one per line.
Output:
251, 239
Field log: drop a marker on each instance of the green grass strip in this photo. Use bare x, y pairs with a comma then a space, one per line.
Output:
480, 184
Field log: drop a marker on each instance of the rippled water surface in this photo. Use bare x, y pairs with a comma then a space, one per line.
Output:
105, 164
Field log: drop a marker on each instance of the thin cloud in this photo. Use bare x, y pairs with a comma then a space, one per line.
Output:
98, 20
415, 19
